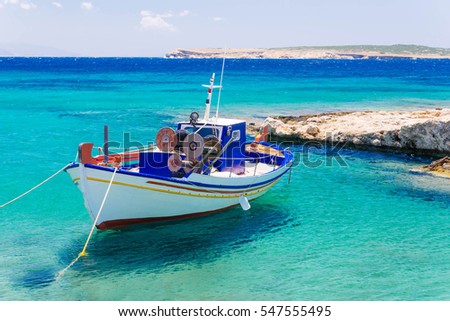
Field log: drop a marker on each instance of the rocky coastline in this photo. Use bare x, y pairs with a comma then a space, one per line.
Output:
422, 132
319, 52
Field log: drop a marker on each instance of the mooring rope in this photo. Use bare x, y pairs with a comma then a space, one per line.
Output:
38, 185
83, 252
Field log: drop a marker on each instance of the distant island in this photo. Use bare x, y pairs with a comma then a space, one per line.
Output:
321, 52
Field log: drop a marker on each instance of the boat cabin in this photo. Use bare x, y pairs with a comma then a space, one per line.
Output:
230, 133
197, 146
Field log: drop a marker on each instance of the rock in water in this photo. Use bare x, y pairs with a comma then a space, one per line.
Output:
441, 165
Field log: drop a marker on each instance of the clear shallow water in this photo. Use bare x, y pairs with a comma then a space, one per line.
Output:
372, 230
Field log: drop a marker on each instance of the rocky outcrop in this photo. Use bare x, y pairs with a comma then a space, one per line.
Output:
440, 167
440, 164
424, 131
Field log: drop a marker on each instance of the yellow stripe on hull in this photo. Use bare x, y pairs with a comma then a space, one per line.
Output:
183, 193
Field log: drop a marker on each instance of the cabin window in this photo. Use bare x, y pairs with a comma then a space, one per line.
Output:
236, 135
208, 131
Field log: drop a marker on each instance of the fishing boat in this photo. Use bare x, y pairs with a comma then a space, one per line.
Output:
204, 166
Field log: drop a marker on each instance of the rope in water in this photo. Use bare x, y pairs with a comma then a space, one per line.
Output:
38, 185
83, 252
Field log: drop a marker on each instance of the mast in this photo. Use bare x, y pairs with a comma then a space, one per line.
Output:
208, 99
220, 86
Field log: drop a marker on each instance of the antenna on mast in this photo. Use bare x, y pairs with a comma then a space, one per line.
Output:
220, 85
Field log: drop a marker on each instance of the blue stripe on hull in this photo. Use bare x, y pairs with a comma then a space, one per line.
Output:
180, 181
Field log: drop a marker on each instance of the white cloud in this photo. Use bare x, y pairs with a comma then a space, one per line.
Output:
57, 4
166, 15
27, 5
184, 13
87, 6
217, 19
154, 21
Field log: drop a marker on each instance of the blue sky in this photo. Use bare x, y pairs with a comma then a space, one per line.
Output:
152, 28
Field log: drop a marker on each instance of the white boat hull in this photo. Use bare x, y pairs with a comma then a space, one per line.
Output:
135, 199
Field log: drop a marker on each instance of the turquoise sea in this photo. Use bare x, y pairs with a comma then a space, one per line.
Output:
370, 230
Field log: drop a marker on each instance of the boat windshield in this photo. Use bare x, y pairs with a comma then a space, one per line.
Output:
203, 130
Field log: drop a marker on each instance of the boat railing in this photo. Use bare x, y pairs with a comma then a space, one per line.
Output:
129, 160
